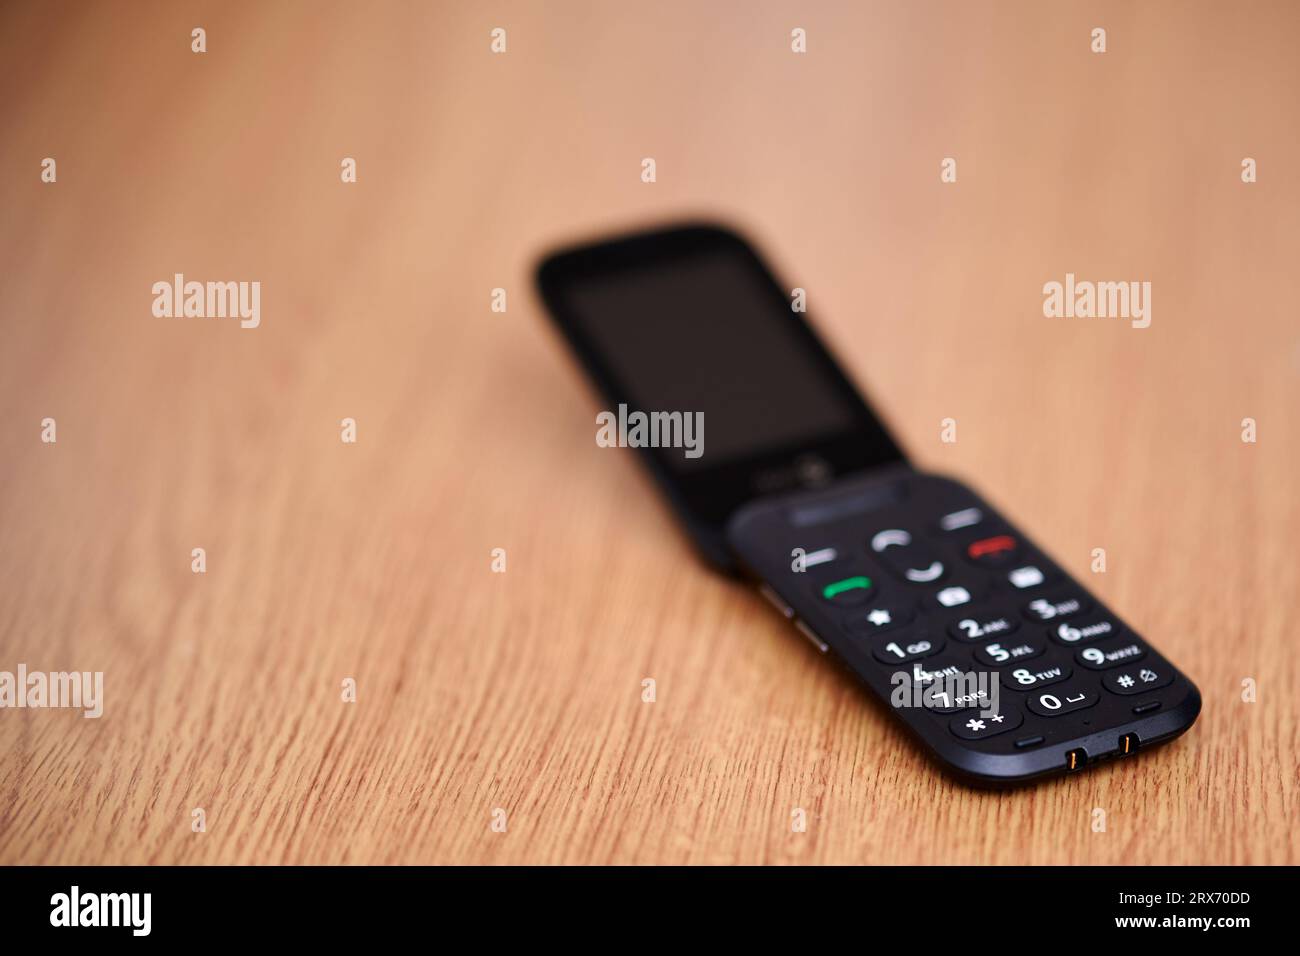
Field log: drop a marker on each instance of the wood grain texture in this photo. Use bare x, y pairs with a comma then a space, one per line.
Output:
372, 561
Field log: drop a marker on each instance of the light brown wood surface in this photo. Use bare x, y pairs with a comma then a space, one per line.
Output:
371, 561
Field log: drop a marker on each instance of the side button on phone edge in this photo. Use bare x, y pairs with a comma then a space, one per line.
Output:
811, 635
774, 599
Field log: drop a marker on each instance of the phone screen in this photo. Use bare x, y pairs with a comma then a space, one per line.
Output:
690, 321
707, 334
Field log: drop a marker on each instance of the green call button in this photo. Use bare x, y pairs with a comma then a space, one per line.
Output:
847, 590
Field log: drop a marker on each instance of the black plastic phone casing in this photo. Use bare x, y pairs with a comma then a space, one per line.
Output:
853, 517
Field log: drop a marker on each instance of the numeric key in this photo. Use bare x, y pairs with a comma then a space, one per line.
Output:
982, 627
1073, 632
1066, 700
901, 651
1051, 609
1024, 678
997, 653
1103, 656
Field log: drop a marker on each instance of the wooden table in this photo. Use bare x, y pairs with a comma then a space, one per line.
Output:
372, 561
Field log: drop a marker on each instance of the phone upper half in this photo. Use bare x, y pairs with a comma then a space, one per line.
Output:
912, 579
690, 320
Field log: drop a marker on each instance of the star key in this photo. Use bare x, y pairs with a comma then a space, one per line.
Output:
981, 726
881, 617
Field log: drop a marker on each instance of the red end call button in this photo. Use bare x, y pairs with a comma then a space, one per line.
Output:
992, 550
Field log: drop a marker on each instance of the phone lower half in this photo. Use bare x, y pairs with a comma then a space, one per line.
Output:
1005, 667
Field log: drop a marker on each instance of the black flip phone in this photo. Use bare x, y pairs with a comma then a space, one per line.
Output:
1004, 667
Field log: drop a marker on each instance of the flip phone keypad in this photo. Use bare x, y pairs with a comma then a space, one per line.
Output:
965, 593
1001, 663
